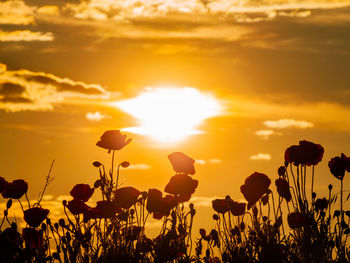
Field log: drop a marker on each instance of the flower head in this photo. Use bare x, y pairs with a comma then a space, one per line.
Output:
126, 197
283, 188
2, 183
15, 189
113, 140
35, 216
297, 220
77, 206
338, 166
182, 163
82, 192
306, 152
158, 205
220, 206
321, 204
254, 187
237, 209
182, 186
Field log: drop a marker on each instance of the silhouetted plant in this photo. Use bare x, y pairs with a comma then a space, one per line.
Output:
113, 230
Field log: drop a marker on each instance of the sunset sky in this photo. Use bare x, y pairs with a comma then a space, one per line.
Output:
231, 83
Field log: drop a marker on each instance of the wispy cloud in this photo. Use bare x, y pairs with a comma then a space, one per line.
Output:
264, 134
96, 116
26, 90
261, 156
210, 161
139, 166
288, 123
25, 35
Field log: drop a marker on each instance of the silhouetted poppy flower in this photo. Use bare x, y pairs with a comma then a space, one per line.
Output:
283, 188
220, 206
306, 152
337, 166
297, 220
106, 209
237, 209
82, 192
113, 140
33, 238
158, 205
15, 189
255, 186
182, 186
182, 163
77, 206
35, 216
2, 183
126, 197
321, 204
346, 162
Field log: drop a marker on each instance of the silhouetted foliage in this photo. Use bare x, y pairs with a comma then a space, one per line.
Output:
113, 230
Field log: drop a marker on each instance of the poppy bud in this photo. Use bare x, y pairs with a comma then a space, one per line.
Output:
56, 226
48, 221
9, 204
97, 183
61, 222
242, 226
313, 195
193, 212
64, 202
265, 199
330, 187
191, 206
215, 217
125, 164
202, 232
132, 212
96, 164
281, 170
347, 213
43, 227
336, 213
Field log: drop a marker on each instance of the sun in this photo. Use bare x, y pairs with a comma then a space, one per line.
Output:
169, 114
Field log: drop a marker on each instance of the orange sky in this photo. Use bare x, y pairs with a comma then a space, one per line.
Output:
279, 70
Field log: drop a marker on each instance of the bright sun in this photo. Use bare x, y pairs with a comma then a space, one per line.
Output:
169, 114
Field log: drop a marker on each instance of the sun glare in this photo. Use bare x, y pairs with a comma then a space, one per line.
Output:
169, 114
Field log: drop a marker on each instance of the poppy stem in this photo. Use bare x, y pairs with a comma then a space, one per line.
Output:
341, 201
312, 185
19, 201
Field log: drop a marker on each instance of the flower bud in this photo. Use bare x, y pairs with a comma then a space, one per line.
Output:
96, 164
125, 164
215, 217
281, 170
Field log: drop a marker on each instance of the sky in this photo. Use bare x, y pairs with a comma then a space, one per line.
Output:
248, 78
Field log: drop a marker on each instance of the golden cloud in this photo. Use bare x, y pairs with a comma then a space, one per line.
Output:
26, 90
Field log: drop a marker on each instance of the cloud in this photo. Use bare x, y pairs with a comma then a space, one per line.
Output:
26, 90
210, 161
25, 35
261, 156
265, 134
288, 123
139, 166
96, 116
16, 12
